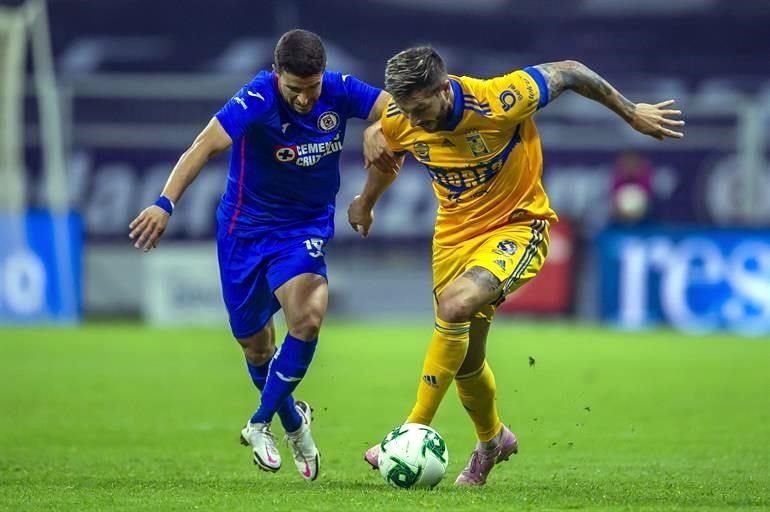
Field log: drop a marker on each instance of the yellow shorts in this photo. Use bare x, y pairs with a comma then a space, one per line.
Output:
514, 253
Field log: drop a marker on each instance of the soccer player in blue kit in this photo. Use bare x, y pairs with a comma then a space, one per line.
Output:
275, 218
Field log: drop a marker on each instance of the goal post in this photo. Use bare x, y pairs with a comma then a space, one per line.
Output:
13, 44
40, 240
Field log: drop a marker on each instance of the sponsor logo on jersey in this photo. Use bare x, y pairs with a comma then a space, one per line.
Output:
530, 90
307, 154
507, 100
286, 153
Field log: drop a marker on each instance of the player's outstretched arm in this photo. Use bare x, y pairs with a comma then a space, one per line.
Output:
655, 120
361, 209
149, 225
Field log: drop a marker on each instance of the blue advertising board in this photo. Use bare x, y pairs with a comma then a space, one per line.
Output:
40, 268
697, 280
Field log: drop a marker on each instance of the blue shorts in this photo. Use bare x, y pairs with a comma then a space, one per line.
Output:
251, 269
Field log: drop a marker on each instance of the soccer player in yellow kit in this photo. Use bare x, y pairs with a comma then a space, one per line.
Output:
480, 145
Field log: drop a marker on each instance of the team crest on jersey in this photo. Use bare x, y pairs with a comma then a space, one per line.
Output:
286, 153
422, 150
476, 143
328, 121
506, 247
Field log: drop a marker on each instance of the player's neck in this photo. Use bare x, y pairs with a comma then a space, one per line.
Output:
447, 114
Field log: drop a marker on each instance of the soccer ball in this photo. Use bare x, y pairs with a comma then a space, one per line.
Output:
413, 456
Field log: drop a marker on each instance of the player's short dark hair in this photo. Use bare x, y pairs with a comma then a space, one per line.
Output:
415, 69
300, 53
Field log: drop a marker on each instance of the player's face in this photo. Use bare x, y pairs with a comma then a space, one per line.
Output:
429, 111
301, 93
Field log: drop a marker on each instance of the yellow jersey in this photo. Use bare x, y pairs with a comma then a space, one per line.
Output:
487, 165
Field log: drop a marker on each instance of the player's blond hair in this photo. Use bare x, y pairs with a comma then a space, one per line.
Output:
414, 70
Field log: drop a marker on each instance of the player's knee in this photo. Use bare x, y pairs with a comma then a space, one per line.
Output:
259, 356
258, 348
454, 308
306, 326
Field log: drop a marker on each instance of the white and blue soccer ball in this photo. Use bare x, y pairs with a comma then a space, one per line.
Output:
413, 456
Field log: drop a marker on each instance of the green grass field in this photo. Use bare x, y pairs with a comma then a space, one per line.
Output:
122, 417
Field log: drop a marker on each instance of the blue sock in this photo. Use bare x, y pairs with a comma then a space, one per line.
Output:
286, 371
290, 418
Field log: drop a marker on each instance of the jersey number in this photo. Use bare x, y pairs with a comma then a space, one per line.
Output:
315, 247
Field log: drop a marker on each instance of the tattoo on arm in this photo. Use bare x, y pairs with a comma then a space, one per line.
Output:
570, 74
483, 278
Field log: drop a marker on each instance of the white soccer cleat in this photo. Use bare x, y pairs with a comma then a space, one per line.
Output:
303, 448
262, 442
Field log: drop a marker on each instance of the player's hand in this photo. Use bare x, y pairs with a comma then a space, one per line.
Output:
148, 227
657, 120
376, 150
360, 216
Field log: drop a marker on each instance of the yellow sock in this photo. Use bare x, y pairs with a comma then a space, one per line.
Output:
477, 394
446, 353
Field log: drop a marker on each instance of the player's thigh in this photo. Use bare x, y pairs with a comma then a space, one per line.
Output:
243, 271
466, 295
514, 254
298, 280
481, 271
477, 346
302, 296
448, 264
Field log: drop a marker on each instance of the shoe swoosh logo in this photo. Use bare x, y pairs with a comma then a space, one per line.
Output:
270, 458
307, 470
287, 379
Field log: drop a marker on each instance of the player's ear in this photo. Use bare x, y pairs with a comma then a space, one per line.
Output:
446, 87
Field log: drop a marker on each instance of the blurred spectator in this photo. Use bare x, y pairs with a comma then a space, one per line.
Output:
631, 188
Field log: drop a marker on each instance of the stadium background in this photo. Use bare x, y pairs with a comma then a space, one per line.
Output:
136, 80
136, 88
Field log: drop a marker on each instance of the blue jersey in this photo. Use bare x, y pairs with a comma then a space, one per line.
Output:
284, 169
